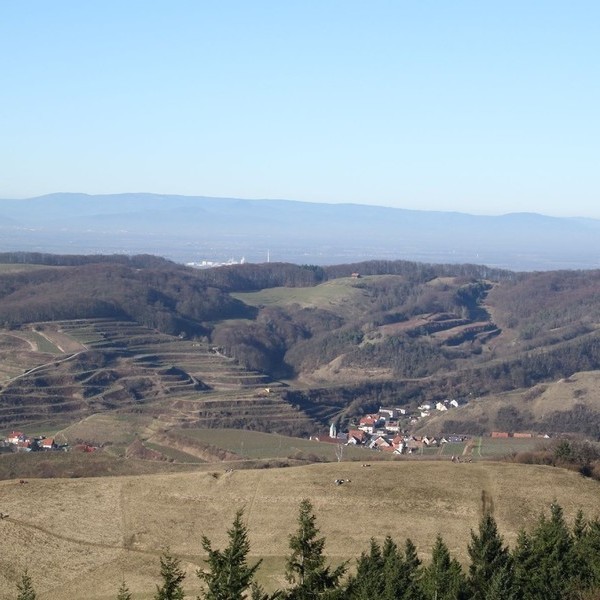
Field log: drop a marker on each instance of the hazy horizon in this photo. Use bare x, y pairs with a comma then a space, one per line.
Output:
301, 201
470, 107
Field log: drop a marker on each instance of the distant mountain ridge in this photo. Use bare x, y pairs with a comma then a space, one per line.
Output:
192, 228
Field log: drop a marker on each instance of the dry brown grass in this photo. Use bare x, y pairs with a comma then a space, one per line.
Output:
79, 538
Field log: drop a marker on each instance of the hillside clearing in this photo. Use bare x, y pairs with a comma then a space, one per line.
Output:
343, 294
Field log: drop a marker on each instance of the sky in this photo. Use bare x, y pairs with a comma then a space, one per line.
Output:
485, 107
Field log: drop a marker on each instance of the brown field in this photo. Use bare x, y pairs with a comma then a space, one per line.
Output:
80, 537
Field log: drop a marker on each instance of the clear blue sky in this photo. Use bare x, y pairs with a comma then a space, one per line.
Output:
478, 106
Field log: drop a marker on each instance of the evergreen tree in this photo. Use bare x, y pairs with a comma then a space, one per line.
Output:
553, 547
523, 561
411, 566
592, 551
25, 588
501, 585
229, 575
411, 557
579, 525
400, 572
369, 579
442, 578
587, 554
258, 593
488, 555
394, 571
172, 575
545, 561
386, 573
123, 593
305, 567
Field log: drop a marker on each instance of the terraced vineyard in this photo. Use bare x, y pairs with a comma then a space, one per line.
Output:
122, 366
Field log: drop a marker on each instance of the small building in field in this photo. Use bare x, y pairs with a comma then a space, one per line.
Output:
47, 443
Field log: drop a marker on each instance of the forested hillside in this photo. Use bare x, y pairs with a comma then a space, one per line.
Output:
348, 336
153, 292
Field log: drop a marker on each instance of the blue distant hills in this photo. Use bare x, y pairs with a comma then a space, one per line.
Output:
195, 228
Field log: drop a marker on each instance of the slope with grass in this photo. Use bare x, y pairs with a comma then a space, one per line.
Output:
80, 537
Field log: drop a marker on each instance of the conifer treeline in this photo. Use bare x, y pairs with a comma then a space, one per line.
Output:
553, 561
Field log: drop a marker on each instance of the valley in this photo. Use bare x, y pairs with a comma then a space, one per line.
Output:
182, 396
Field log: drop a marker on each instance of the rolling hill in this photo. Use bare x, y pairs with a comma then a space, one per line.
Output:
80, 537
140, 356
290, 348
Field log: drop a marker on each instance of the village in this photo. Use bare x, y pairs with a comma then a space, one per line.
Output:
385, 431
18, 441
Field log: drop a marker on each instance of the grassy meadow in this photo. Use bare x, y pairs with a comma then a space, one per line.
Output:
80, 537
343, 294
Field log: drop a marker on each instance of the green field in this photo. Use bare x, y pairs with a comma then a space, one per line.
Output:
339, 293
258, 445
499, 447
453, 448
43, 344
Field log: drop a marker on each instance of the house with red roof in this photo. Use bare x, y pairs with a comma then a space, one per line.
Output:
47, 443
14, 437
367, 423
357, 437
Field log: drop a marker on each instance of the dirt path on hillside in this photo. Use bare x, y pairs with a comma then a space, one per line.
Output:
32, 345
66, 538
468, 449
52, 362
